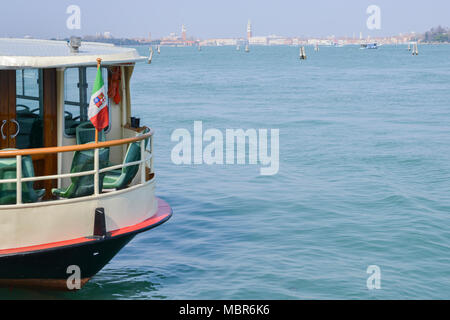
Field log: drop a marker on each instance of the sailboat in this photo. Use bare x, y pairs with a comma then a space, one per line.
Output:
238, 47
159, 49
316, 48
409, 46
247, 49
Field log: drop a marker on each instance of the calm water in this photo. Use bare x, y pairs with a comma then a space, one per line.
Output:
364, 178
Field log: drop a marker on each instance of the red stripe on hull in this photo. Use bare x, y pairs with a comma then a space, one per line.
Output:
163, 212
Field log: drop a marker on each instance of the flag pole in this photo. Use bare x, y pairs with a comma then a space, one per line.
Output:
99, 61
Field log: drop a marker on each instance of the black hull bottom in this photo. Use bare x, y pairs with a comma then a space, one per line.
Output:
64, 265
51, 268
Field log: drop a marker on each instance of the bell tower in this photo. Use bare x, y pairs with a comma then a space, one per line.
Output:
183, 32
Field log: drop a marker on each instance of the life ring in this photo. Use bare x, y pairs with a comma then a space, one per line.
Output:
114, 78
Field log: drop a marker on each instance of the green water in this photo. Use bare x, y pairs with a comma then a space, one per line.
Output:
364, 178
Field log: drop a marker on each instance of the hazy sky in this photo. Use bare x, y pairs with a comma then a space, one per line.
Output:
226, 18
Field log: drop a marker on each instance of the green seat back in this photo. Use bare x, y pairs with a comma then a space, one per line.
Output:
128, 173
8, 190
85, 133
133, 154
84, 185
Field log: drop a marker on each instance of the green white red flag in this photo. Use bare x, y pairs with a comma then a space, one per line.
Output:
98, 105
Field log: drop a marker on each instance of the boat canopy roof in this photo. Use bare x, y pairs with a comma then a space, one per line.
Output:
31, 53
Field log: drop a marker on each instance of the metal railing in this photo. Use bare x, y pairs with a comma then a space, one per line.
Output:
146, 158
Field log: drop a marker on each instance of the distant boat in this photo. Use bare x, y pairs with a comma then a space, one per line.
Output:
409, 46
151, 56
159, 49
199, 48
316, 48
238, 48
369, 46
247, 49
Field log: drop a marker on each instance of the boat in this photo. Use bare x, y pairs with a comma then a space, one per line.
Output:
247, 49
70, 197
238, 48
369, 46
158, 49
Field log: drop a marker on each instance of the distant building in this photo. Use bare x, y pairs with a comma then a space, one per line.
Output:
249, 30
174, 40
277, 40
226, 42
258, 40
183, 32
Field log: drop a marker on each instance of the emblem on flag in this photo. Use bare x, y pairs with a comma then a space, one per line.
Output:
99, 100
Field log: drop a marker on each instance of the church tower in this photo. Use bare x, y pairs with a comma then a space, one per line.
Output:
183, 32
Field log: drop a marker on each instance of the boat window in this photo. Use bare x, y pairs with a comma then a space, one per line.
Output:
78, 83
29, 109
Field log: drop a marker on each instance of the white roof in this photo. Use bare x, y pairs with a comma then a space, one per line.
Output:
30, 53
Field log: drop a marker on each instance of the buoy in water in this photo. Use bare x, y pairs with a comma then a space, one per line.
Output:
302, 53
415, 50
150, 56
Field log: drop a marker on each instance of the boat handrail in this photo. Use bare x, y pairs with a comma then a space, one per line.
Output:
88, 146
78, 147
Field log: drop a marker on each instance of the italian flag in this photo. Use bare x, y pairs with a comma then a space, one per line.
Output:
98, 106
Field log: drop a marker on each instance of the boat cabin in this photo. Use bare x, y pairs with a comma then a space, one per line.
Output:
55, 180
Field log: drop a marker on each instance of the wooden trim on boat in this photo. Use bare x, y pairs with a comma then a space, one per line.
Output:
52, 284
81, 147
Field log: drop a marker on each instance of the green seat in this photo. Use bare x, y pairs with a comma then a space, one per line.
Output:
121, 178
84, 185
71, 127
8, 190
85, 133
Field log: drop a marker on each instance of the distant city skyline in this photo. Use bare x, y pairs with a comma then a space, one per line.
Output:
213, 19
